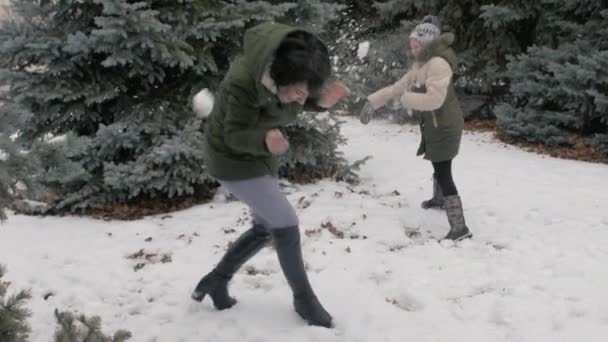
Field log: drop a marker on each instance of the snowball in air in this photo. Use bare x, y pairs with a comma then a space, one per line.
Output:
58, 139
363, 49
202, 103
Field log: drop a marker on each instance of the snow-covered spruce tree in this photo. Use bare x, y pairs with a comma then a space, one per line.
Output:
314, 154
79, 328
367, 57
116, 78
561, 87
315, 15
315, 138
7, 150
13, 314
16, 166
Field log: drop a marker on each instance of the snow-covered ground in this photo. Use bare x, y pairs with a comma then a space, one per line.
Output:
535, 270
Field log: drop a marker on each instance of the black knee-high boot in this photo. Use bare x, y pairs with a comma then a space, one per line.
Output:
289, 251
215, 284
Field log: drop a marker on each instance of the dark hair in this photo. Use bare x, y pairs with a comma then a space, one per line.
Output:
301, 57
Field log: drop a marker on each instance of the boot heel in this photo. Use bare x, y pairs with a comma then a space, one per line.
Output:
215, 283
216, 288
458, 228
464, 236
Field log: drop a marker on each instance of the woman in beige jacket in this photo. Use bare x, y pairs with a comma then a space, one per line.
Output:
428, 88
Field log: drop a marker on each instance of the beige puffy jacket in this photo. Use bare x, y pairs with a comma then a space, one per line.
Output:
436, 75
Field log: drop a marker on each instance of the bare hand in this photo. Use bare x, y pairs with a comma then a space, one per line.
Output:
276, 142
332, 94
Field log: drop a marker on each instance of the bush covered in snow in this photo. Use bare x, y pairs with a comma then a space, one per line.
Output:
14, 326
13, 314
558, 90
368, 58
123, 94
80, 328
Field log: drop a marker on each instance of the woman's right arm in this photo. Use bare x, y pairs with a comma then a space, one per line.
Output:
382, 96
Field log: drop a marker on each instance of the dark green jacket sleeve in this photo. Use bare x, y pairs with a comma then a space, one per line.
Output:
240, 131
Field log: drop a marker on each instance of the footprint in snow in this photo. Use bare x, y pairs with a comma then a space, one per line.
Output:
407, 302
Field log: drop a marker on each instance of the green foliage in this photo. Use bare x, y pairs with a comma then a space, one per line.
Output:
71, 328
314, 154
385, 62
13, 314
79, 328
116, 78
315, 15
486, 33
562, 88
16, 166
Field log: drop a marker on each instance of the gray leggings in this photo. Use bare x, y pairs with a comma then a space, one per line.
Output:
269, 205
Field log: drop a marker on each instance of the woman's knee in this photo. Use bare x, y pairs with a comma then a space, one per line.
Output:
285, 218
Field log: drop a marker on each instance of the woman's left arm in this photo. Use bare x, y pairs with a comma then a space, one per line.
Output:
438, 80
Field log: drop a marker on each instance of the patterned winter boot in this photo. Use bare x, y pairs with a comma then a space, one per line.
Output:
458, 227
436, 202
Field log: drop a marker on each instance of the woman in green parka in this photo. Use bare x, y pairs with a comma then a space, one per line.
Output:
283, 70
428, 88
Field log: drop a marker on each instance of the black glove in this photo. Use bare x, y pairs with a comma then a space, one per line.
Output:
394, 103
366, 113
